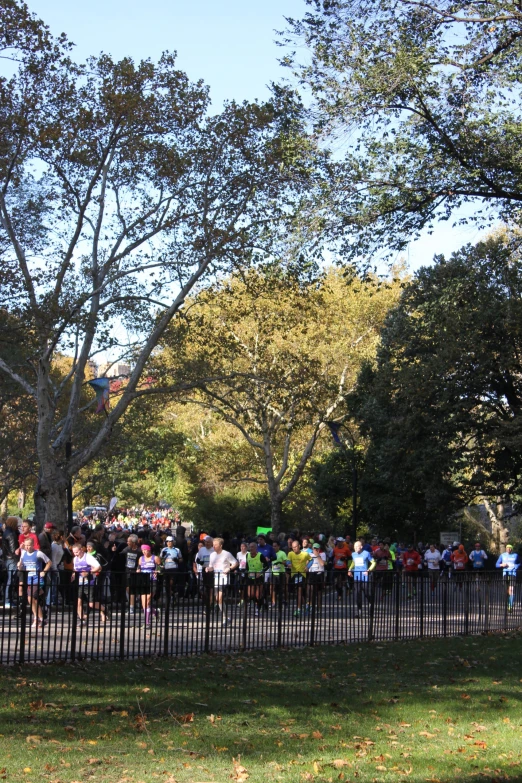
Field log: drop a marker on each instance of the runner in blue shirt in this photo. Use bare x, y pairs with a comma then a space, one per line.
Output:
478, 557
509, 562
362, 563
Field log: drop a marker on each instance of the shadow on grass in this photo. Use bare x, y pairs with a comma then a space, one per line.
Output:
439, 710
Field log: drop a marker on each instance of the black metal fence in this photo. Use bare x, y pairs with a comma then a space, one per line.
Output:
119, 616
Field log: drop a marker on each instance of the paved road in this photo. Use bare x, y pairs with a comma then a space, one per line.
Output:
188, 628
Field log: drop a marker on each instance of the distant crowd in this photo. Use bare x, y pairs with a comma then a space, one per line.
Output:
134, 557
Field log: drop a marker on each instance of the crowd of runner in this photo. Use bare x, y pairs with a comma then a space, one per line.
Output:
134, 558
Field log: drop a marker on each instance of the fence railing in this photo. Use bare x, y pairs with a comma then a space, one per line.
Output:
66, 617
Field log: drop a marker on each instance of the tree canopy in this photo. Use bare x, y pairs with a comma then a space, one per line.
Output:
441, 407
426, 97
280, 354
119, 192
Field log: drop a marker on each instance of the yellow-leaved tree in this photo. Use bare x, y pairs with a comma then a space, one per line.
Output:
281, 355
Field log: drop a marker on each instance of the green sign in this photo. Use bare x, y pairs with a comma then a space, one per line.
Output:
262, 531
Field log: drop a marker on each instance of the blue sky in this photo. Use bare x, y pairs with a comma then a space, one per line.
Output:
229, 44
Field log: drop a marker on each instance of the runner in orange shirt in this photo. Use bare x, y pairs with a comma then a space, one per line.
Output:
459, 560
342, 554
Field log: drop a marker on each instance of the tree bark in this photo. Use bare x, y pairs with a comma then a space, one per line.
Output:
276, 512
499, 529
52, 496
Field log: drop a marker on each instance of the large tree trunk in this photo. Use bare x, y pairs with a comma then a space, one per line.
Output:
3, 504
276, 512
499, 526
52, 491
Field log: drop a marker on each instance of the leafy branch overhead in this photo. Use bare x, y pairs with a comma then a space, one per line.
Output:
425, 99
120, 192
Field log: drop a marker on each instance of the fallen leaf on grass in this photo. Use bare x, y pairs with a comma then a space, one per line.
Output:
188, 718
240, 773
481, 744
90, 712
34, 739
465, 696
37, 705
27, 770
145, 690
380, 768
317, 735
141, 744
338, 763
426, 734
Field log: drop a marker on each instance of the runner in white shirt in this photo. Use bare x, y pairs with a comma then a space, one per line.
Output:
315, 567
241, 556
432, 558
35, 563
221, 563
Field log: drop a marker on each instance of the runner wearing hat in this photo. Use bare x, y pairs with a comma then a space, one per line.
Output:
171, 558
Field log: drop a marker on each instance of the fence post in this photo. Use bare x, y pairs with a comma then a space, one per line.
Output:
504, 590
397, 582
245, 613
486, 582
206, 593
280, 589
168, 592
445, 606
312, 616
421, 592
122, 615
74, 615
372, 606
23, 617
466, 606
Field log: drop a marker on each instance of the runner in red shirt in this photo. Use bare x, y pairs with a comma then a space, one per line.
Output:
26, 533
383, 576
410, 568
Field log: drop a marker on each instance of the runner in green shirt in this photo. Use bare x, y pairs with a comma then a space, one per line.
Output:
278, 581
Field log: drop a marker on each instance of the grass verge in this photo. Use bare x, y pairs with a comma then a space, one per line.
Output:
432, 710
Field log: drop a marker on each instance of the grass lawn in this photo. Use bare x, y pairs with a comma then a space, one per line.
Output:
411, 711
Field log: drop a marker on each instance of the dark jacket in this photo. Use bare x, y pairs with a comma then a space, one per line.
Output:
9, 544
45, 542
